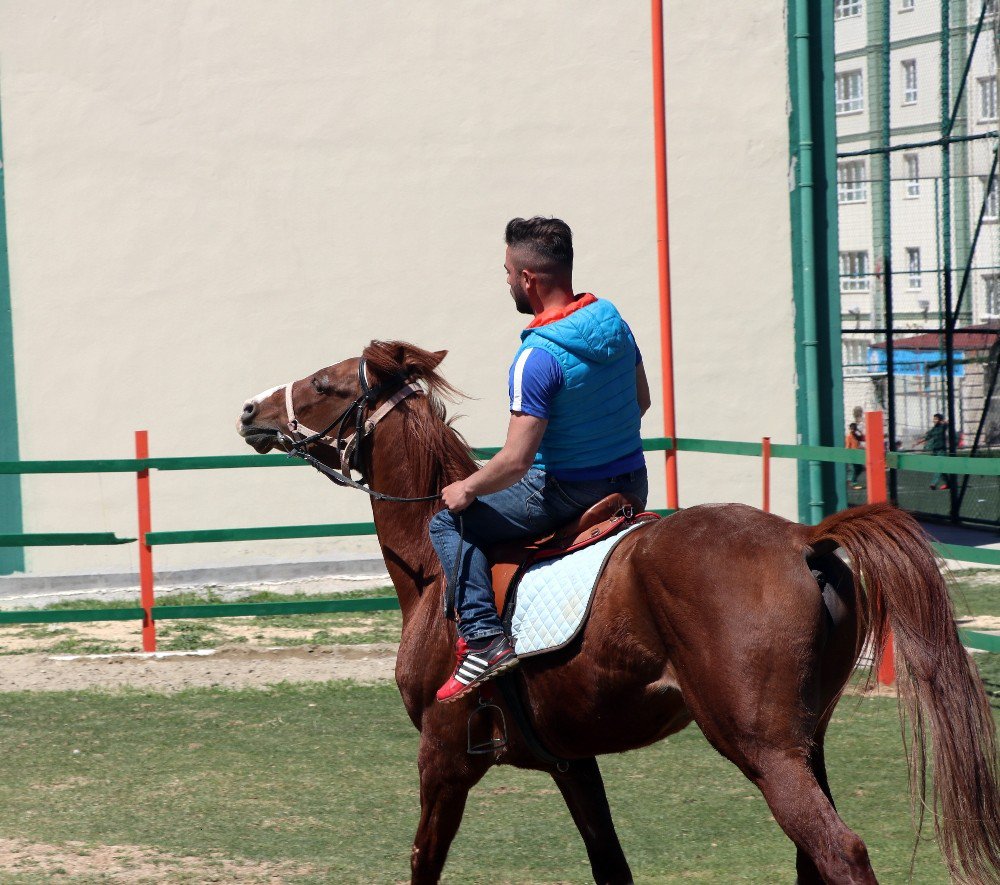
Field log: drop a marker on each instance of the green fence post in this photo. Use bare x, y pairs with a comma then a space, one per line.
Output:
813, 149
11, 520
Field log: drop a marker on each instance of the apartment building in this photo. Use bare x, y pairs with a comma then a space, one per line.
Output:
908, 215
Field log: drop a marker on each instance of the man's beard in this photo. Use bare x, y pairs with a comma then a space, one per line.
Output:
521, 301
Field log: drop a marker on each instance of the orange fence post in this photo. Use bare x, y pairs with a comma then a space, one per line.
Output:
663, 254
765, 453
875, 457
877, 492
145, 551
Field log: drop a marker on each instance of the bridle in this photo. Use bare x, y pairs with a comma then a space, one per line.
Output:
349, 449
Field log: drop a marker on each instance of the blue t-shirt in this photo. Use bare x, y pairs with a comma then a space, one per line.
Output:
534, 379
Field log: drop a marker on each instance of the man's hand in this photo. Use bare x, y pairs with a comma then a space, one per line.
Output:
457, 497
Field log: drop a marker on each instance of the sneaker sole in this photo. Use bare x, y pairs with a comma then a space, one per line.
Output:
509, 664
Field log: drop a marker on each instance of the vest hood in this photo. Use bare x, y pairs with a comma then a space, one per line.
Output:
595, 333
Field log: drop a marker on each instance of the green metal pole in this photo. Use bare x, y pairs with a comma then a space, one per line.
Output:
958, 125
946, 210
877, 53
886, 237
806, 185
11, 559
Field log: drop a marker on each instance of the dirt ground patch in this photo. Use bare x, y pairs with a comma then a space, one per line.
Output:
78, 861
983, 623
126, 636
228, 667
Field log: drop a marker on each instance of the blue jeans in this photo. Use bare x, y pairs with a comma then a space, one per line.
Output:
529, 509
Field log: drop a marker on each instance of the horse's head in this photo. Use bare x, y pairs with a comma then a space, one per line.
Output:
276, 417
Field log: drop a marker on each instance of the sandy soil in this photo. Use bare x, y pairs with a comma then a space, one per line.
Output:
78, 861
230, 667
982, 623
127, 635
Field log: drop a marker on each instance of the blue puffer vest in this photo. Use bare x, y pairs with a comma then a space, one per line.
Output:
594, 418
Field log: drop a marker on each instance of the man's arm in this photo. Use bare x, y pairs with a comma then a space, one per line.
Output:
524, 435
642, 389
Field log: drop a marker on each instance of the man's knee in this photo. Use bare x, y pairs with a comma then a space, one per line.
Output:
443, 523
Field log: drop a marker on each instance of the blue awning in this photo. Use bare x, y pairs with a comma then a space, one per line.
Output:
915, 362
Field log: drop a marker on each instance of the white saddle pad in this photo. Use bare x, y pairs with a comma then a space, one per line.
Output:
553, 597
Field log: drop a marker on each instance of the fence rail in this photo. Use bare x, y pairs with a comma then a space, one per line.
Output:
63, 539
149, 613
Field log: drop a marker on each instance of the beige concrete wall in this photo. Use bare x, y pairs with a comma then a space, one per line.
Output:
207, 198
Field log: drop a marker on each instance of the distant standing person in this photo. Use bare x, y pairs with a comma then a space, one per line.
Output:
935, 441
854, 440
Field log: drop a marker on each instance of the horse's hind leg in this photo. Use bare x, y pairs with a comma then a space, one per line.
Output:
778, 746
828, 851
808, 873
768, 721
583, 790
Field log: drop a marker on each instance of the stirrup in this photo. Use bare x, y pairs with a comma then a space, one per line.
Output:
485, 711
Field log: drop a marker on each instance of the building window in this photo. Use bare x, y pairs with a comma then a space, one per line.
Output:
992, 199
910, 81
850, 95
987, 98
907, 5
913, 279
852, 186
846, 9
912, 163
991, 284
854, 272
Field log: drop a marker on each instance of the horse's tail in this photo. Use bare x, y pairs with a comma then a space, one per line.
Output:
901, 588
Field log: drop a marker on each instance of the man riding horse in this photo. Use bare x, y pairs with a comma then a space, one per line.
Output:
577, 392
738, 620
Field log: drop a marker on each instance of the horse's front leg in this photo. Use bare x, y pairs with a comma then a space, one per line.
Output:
447, 773
583, 789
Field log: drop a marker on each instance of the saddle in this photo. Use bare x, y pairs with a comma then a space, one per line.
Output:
607, 516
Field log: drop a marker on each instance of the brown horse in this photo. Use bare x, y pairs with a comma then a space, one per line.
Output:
746, 623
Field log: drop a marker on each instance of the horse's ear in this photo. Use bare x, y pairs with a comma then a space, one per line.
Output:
417, 363
394, 358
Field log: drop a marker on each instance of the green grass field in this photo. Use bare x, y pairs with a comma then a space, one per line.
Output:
977, 592
317, 783
981, 501
320, 780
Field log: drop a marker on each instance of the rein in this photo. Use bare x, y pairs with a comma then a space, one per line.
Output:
349, 449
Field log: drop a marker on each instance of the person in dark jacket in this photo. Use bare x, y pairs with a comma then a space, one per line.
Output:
935, 442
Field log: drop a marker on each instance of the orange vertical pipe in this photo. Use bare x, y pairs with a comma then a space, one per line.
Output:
765, 453
663, 250
145, 551
875, 457
877, 492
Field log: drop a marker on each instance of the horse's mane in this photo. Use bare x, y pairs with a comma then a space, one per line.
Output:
447, 455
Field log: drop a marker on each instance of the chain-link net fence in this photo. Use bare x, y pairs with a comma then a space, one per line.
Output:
919, 221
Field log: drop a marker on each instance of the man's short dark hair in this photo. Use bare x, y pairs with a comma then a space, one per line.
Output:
939, 415
549, 242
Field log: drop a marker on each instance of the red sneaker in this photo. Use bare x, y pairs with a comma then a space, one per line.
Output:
476, 666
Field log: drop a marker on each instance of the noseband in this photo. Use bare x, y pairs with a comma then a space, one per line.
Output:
349, 449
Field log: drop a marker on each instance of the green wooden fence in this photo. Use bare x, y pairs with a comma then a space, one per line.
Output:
898, 460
